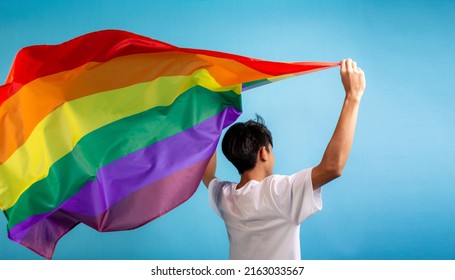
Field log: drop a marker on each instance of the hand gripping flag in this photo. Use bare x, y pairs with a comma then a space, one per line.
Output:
113, 129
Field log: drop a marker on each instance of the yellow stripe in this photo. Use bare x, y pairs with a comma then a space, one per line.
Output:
58, 133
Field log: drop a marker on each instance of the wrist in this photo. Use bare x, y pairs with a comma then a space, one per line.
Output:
354, 99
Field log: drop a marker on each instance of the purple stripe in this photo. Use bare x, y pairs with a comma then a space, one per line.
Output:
141, 168
142, 206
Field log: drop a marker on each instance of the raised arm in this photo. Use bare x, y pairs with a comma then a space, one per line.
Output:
339, 147
209, 173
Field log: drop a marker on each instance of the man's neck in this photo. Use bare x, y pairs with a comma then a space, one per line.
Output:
255, 174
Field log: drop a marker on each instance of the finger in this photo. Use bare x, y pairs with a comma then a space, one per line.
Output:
354, 65
349, 65
343, 64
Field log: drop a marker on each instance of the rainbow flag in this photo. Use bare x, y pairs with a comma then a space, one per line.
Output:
113, 129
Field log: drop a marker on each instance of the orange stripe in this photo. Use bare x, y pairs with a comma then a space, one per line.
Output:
22, 112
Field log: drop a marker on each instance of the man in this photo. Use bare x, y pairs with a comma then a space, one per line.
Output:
263, 212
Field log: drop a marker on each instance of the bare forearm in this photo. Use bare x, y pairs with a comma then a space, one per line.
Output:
339, 147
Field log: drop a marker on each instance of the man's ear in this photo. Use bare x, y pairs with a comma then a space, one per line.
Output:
263, 155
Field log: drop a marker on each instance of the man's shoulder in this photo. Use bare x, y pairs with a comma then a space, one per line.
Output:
218, 184
277, 178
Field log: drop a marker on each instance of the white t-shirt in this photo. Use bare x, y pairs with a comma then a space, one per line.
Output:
263, 218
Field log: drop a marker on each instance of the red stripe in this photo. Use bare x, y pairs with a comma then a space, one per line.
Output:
42, 60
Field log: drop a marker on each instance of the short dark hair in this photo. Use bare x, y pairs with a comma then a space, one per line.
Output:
242, 142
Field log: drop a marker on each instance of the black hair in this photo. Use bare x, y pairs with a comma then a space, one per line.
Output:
242, 142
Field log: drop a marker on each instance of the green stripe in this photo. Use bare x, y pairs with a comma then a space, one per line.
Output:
99, 148
253, 84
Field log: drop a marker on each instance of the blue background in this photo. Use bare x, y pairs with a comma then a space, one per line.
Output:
396, 199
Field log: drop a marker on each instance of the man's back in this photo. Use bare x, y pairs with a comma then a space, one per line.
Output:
263, 218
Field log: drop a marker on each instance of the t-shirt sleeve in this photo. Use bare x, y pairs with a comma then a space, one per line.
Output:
214, 190
298, 200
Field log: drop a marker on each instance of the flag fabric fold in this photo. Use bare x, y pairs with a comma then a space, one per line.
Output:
113, 129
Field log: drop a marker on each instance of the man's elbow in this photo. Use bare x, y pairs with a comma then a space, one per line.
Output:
334, 172
207, 179
206, 182
324, 173
337, 173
